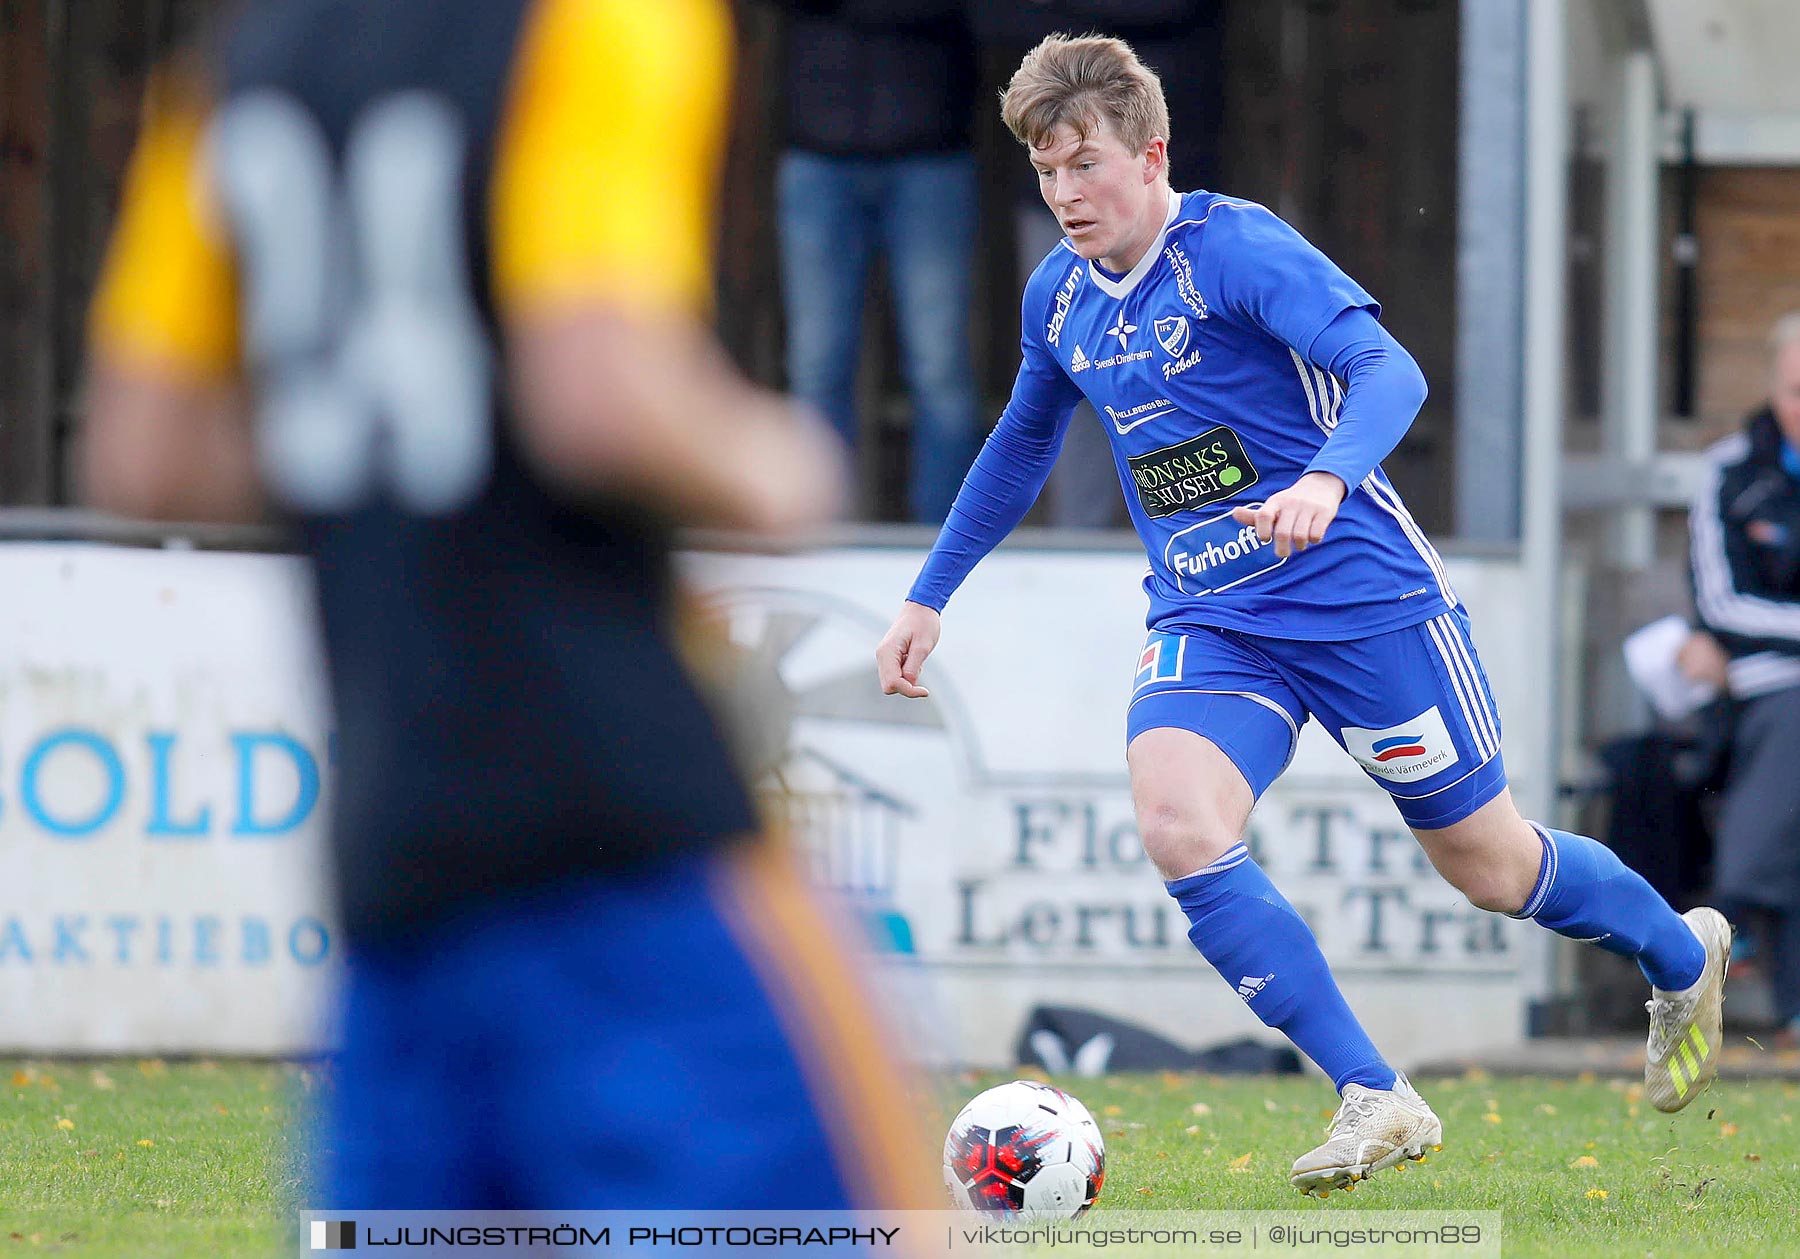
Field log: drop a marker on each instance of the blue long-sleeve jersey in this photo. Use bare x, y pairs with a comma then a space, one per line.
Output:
1233, 359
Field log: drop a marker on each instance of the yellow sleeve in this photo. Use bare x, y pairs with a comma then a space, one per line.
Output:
168, 293
607, 168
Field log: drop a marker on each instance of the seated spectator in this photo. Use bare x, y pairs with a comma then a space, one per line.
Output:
1745, 556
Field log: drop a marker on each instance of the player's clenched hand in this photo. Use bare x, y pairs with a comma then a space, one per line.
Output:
1298, 516
902, 652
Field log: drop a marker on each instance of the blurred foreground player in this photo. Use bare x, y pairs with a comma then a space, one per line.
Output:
457, 254
1250, 394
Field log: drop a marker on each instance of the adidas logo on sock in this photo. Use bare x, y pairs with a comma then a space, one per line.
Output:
1250, 985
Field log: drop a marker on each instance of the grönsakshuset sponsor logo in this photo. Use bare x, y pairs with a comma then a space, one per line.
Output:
1193, 473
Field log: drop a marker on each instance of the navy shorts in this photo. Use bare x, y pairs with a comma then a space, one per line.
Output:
687, 1038
1412, 706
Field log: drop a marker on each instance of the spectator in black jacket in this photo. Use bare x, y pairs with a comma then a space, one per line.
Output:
880, 103
1745, 555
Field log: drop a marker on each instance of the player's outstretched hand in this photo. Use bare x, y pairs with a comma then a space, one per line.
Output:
1298, 516
902, 652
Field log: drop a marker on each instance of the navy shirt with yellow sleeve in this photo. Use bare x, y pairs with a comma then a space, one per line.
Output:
343, 212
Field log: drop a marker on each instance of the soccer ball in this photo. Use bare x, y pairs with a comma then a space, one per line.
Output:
1025, 1151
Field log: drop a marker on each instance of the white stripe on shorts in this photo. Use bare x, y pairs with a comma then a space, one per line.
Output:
1468, 690
1459, 641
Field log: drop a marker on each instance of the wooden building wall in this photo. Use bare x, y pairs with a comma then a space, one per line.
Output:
1340, 114
71, 78
1748, 224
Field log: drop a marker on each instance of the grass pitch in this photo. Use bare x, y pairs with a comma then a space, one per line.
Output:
1581, 1168
148, 1160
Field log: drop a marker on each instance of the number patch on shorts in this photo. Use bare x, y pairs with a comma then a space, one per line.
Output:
1160, 660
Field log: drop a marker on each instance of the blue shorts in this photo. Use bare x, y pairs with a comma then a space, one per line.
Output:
1412, 706
685, 1038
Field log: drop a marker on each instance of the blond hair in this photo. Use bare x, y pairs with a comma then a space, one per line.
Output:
1084, 83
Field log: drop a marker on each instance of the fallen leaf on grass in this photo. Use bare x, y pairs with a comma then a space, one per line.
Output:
1240, 1163
1193, 1130
1728, 1130
1491, 1117
1586, 1160
1112, 1110
1597, 1193
1753, 1158
1545, 1108
67, 1125
153, 1067
102, 1081
1269, 1104
1148, 1193
147, 1143
1200, 1108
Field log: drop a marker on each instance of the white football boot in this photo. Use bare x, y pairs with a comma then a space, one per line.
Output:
1686, 1032
1373, 1130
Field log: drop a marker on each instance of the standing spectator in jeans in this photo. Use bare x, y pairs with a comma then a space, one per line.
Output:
1746, 568
880, 101
1182, 40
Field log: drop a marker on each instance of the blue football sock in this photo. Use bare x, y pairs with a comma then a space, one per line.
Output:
1265, 950
1586, 893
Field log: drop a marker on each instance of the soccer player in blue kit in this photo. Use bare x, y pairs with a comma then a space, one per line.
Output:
1250, 394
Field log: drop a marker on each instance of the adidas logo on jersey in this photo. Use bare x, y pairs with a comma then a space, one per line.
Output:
1079, 363
1250, 985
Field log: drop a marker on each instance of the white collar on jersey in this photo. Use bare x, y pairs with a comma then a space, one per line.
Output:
1121, 287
